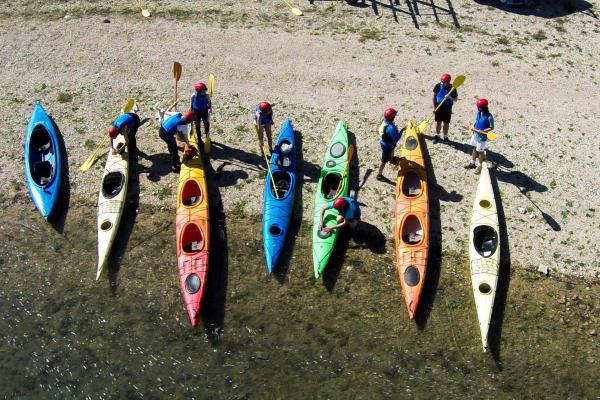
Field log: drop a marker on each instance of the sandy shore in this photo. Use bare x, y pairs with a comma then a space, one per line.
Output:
338, 61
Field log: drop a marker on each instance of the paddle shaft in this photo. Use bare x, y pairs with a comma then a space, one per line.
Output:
350, 154
490, 135
268, 164
295, 11
176, 76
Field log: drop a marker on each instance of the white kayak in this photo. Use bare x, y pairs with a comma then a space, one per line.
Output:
484, 251
111, 201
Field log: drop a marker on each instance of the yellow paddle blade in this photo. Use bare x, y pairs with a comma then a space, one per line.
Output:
423, 125
128, 106
94, 156
176, 70
211, 84
459, 80
207, 145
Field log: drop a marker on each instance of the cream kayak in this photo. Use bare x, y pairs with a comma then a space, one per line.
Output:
484, 252
111, 201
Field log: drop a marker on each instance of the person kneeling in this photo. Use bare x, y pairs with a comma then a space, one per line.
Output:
349, 213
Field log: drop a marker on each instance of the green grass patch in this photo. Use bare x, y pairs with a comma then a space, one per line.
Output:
64, 97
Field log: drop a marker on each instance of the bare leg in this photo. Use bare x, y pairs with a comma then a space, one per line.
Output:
381, 167
446, 127
438, 127
269, 137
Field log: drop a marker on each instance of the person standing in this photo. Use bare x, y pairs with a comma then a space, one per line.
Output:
176, 125
444, 113
389, 137
263, 121
201, 105
484, 123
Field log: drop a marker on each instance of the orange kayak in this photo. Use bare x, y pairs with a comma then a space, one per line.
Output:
192, 233
411, 227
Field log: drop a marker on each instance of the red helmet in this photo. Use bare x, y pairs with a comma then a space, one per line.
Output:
445, 78
482, 103
113, 132
190, 115
389, 114
190, 151
264, 106
340, 204
200, 86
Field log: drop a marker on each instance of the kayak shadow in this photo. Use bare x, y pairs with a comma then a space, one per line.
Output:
336, 261
495, 332
213, 303
434, 262
544, 8
125, 226
281, 270
59, 215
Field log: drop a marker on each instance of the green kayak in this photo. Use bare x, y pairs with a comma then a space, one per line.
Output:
334, 164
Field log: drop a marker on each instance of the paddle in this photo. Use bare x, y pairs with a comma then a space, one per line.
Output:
295, 11
459, 80
176, 76
350, 155
211, 86
490, 135
97, 152
268, 164
145, 12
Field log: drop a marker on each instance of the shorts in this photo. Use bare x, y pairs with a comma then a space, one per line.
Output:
443, 114
479, 146
386, 154
203, 116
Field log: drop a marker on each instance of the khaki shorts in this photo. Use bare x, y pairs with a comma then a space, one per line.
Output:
479, 146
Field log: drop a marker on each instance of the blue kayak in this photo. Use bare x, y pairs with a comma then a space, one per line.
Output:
42, 161
277, 213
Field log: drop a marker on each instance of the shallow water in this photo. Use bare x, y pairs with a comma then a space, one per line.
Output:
63, 335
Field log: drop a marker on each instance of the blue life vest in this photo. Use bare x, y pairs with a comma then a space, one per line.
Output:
265, 119
199, 102
352, 211
170, 124
391, 131
123, 120
439, 96
483, 121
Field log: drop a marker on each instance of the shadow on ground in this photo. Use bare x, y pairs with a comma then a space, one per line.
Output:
545, 8
59, 215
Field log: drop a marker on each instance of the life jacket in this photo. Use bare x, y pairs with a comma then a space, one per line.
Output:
123, 120
483, 121
388, 137
439, 96
170, 124
264, 118
199, 102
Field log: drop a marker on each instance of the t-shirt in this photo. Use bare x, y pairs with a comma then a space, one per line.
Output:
352, 210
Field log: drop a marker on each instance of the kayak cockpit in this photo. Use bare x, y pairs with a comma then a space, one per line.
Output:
112, 184
283, 182
191, 193
192, 239
412, 230
485, 240
330, 184
42, 159
411, 184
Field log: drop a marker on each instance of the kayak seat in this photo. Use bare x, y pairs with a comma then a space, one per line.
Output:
412, 238
485, 240
411, 184
42, 172
412, 231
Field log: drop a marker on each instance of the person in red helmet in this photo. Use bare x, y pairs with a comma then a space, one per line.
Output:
176, 125
201, 105
263, 121
389, 136
126, 124
444, 113
484, 123
349, 213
